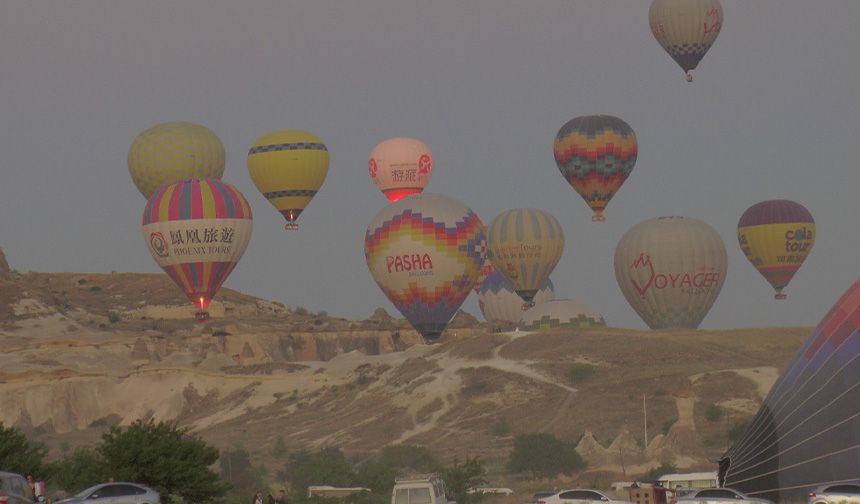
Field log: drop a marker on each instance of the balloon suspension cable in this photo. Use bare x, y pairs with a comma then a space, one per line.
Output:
689, 77
780, 295
291, 226
598, 218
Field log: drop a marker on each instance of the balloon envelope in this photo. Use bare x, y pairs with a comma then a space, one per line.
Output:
596, 154
776, 236
686, 29
197, 230
807, 432
425, 252
400, 167
561, 314
288, 167
671, 270
499, 302
525, 244
173, 152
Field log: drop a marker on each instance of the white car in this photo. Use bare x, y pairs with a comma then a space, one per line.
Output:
841, 493
718, 496
579, 496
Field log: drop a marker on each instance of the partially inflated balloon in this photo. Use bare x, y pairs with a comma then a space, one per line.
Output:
172, 152
425, 252
499, 302
197, 230
288, 167
596, 155
400, 167
776, 236
807, 432
686, 28
671, 270
524, 245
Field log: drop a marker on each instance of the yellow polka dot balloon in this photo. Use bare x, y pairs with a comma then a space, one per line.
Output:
172, 152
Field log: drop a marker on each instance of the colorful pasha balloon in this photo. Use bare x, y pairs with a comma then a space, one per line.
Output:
499, 302
561, 314
686, 28
671, 270
807, 431
197, 230
172, 152
776, 236
288, 167
425, 252
400, 167
524, 245
596, 155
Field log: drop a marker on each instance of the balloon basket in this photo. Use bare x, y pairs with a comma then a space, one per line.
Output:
291, 226
780, 296
689, 78
201, 317
528, 305
597, 218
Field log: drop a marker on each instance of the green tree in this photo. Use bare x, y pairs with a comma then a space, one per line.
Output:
324, 467
580, 372
737, 430
410, 459
279, 449
164, 457
459, 478
81, 469
18, 454
543, 455
237, 470
376, 474
713, 413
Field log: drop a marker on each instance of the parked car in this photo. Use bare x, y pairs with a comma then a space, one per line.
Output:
718, 496
842, 493
538, 496
115, 493
579, 496
15, 489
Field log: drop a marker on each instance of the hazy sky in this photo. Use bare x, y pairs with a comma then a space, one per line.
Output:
486, 84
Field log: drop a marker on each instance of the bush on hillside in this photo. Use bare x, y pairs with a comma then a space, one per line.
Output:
544, 456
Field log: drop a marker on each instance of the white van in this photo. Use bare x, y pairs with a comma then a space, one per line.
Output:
420, 489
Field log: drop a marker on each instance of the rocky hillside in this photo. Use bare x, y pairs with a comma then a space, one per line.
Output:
83, 351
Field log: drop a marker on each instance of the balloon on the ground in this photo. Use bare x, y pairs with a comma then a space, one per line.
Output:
197, 230
776, 236
671, 270
425, 252
288, 167
400, 167
499, 302
807, 431
561, 314
173, 152
686, 28
596, 154
525, 244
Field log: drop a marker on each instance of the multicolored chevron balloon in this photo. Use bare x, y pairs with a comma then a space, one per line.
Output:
197, 230
288, 167
596, 155
172, 152
425, 251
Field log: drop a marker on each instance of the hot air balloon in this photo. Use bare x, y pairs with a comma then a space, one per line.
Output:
425, 252
596, 155
172, 152
807, 432
197, 230
499, 302
288, 167
524, 245
400, 167
486, 269
671, 270
686, 28
561, 314
776, 236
